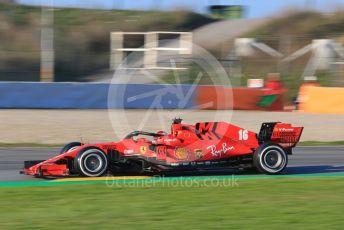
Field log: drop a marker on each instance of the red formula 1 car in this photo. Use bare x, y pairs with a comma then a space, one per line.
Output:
205, 145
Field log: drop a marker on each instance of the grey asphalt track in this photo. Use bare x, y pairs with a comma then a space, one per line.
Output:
305, 160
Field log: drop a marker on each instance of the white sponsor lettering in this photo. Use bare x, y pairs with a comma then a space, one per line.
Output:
219, 152
286, 130
128, 151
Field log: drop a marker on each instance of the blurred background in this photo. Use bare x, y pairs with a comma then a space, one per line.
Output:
276, 45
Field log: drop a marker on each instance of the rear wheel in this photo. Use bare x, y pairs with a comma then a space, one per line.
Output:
91, 162
270, 159
70, 147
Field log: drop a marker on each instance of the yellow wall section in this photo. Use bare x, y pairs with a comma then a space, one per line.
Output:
325, 100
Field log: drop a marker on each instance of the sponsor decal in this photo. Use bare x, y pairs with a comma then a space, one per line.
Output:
143, 149
107, 146
199, 153
219, 152
170, 139
286, 130
182, 153
186, 135
199, 163
128, 151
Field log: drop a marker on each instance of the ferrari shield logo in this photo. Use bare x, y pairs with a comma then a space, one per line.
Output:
143, 149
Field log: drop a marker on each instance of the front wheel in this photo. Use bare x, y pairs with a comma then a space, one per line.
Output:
91, 162
270, 159
70, 147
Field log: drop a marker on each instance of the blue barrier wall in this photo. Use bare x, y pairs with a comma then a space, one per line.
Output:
38, 95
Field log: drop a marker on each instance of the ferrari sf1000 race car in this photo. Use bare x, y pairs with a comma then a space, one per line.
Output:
205, 145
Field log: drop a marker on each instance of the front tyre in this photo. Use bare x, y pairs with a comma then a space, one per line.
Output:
91, 162
70, 147
270, 159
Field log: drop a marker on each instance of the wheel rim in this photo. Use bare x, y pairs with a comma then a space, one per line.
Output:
93, 162
273, 159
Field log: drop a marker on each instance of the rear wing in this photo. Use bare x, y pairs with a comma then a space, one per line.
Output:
280, 133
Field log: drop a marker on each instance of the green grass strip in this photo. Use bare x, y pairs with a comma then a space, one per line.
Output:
162, 179
282, 203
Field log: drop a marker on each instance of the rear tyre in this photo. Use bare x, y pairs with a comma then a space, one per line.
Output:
91, 162
270, 159
70, 147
